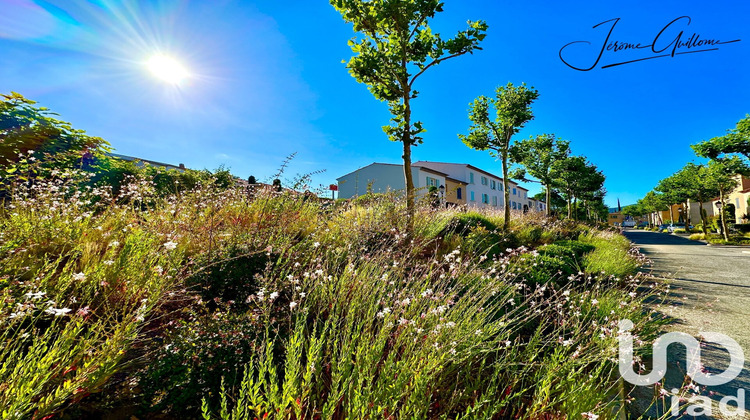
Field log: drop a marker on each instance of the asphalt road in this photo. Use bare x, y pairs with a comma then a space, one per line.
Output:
710, 292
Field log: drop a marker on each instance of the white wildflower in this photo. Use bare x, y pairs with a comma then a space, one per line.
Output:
57, 312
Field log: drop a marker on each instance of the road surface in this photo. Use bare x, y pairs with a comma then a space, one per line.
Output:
710, 292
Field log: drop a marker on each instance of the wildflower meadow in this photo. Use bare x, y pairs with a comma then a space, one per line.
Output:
146, 298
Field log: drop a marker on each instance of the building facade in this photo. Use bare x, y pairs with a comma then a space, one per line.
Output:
463, 184
387, 177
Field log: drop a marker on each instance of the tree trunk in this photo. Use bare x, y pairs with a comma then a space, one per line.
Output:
506, 193
548, 197
721, 215
575, 209
671, 214
407, 169
570, 207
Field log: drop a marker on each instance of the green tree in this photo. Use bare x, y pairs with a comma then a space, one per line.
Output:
697, 179
394, 48
537, 155
675, 189
512, 106
565, 175
722, 175
29, 132
736, 141
589, 188
653, 203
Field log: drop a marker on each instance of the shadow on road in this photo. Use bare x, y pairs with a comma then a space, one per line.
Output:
654, 238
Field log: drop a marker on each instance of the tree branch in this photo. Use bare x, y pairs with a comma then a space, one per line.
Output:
434, 62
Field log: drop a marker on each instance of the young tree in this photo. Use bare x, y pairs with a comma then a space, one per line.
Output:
699, 188
395, 47
722, 175
653, 203
512, 106
537, 155
589, 187
736, 141
565, 174
675, 189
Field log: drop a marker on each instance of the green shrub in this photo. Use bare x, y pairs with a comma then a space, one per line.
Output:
580, 248
541, 269
611, 255
566, 254
679, 231
529, 236
197, 355
697, 237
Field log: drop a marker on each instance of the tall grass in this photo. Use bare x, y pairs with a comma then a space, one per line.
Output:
215, 303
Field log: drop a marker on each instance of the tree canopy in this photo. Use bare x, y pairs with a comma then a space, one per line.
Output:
395, 46
31, 132
537, 155
736, 141
512, 106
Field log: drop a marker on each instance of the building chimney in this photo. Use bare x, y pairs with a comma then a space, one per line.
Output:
182, 166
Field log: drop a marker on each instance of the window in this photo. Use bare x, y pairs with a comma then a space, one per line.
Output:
433, 182
514, 192
500, 186
492, 184
472, 195
494, 200
514, 205
485, 199
471, 178
484, 180
458, 193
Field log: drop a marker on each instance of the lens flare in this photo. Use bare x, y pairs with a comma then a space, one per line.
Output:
167, 69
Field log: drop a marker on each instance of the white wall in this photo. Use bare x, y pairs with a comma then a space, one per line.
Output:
463, 173
383, 177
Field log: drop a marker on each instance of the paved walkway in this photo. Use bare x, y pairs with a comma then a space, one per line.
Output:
710, 292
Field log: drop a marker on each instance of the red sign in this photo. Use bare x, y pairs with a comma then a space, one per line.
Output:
333, 187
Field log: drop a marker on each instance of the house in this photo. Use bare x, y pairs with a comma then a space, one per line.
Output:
383, 177
141, 162
463, 184
480, 188
738, 199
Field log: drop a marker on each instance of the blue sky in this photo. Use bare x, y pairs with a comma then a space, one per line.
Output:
267, 80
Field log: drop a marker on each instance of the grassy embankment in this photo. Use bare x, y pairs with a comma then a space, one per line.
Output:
209, 303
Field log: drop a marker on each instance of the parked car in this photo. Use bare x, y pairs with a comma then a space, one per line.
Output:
628, 224
671, 228
643, 224
663, 227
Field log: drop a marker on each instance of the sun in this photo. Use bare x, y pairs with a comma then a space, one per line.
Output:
167, 69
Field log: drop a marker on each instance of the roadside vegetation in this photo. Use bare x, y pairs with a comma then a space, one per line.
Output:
706, 186
209, 302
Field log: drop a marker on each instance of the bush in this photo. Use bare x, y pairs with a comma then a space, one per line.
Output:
612, 255
679, 231
579, 248
697, 237
198, 355
534, 269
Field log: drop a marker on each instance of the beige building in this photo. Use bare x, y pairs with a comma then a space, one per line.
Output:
455, 191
